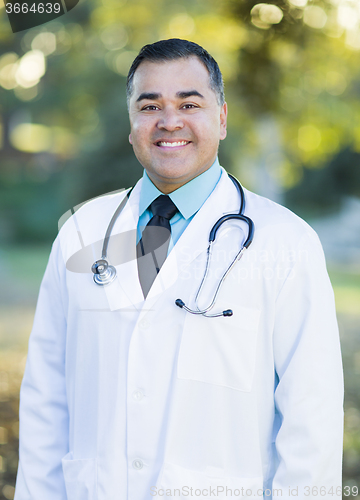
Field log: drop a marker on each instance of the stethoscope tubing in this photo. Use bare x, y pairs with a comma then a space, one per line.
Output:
212, 235
112, 223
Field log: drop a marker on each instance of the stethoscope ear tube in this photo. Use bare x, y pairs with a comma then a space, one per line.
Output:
182, 305
225, 218
250, 236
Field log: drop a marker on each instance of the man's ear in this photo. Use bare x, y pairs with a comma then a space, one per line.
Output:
223, 120
130, 140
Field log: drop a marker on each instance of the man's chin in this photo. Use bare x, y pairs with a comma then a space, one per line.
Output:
169, 179
173, 171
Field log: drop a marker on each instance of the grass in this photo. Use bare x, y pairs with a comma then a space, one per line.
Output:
346, 284
25, 263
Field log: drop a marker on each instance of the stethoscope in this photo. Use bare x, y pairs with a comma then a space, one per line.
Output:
104, 273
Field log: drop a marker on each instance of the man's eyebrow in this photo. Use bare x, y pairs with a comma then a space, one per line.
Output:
151, 96
184, 94
189, 93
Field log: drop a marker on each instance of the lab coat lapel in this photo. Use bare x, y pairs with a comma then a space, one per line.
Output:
195, 238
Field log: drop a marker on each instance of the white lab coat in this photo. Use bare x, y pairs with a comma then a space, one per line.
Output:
130, 399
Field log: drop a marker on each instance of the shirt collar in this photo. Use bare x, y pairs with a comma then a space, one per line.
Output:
189, 197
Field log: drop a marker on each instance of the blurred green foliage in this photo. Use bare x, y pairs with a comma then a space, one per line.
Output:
64, 124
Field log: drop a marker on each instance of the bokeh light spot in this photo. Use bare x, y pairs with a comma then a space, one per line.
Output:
353, 39
45, 42
315, 17
31, 138
309, 138
8, 67
335, 83
181, 25
263, 15
26, 94
8, 76
299, 3
31, 68
8, 491
348, 16
123, 61
114, 37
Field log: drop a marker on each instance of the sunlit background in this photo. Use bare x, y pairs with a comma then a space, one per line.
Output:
292, 76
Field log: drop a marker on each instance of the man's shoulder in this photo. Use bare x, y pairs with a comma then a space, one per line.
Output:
97, 210
101, 202
274, 219
91, 211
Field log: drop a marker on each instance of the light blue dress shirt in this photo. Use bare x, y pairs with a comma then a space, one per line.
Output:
188, 199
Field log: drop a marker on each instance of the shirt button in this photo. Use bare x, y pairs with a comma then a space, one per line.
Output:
137, 464
138, 395
144, 324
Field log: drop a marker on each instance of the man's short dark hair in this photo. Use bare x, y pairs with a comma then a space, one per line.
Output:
175, 48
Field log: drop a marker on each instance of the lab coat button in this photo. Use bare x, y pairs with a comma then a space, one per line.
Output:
144, 324
138, 395
138, 464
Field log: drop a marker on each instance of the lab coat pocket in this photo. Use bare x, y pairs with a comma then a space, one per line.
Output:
220, 351
182, 483
80, 478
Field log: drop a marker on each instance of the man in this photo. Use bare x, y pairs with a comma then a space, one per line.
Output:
125, 395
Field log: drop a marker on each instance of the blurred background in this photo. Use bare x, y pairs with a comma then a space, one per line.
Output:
292, 77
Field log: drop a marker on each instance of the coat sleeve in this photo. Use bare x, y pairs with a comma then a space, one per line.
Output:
43, 404
309, 392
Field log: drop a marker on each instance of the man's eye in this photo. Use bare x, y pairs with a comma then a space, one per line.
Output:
149, 107
189, 106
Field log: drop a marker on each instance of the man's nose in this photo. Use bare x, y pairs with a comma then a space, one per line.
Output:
170, 120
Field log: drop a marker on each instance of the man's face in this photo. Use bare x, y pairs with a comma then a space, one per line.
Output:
176, 121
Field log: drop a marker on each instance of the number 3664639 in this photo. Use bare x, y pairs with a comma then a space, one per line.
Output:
24, 8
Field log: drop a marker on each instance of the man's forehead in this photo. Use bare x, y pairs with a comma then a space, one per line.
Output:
175, 71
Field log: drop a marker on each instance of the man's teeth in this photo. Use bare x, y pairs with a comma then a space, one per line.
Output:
172, 144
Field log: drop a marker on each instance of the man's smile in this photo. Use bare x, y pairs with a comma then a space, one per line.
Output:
172, 144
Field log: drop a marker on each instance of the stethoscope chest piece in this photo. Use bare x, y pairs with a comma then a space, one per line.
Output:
104, 273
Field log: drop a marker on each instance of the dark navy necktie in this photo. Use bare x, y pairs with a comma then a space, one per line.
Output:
152, 249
